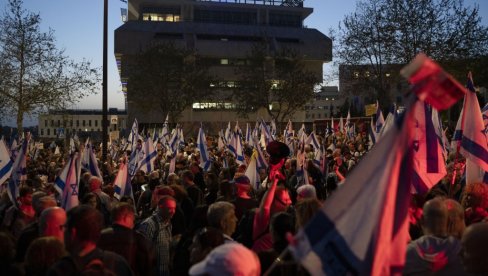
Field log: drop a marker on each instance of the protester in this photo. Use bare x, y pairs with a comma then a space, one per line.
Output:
475, 249
42, 254
221, 216
435, 252
82, 232
157, 230
17, 218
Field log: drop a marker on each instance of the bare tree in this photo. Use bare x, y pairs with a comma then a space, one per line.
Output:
35, 74
384, 34
277, 82
169, 77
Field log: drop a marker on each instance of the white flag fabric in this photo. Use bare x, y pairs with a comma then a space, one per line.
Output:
122, 185
252, 172
67, 182
429, 165
149, 154
205, 161
6, 162
89, 160
363, 229
19, 171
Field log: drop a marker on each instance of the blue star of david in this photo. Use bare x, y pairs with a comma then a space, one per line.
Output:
73, 187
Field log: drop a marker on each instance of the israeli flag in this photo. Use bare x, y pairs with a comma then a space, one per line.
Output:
134, 134
363, 230
313, 140
122, 183
252, 172
205, 161
19, 171
149, 155
89, 160
6, 162
470, 136
67, 182
261, 162
239, 150
248, 134
429, 164
380, 120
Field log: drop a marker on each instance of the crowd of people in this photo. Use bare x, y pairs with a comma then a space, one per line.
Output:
191, 222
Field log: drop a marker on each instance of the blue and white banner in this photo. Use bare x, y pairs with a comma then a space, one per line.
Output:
67, 182
6, 162
19, 171
122, 183
89, 160
205, 161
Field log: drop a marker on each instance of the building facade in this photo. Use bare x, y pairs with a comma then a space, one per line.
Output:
82, 122
223, 31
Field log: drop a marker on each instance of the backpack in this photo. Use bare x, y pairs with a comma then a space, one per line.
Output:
94, 267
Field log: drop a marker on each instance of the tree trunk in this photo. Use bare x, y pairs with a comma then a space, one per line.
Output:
20, 120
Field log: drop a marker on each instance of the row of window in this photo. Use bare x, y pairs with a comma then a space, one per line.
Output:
326, 107
319, 116
55, 130
77, 122
366, 74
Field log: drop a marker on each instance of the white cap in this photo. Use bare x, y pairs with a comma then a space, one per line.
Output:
228, 259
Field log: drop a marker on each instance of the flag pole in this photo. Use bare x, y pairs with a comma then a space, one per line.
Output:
277, 261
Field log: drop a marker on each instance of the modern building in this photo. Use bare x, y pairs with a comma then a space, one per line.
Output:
326, 104
83, 122
220, 30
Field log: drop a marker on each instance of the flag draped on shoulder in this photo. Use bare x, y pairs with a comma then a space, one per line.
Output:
67, 182
19, 171
429, 165
363, 229
6, 162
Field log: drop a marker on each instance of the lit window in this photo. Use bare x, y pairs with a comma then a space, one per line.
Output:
356, 74
366, 74
326, 99
224, 61
387, 75
161, 17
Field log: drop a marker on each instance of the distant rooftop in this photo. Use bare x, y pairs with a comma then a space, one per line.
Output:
111, 111
285, 3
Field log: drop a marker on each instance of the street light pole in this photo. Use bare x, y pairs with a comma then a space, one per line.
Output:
104, 84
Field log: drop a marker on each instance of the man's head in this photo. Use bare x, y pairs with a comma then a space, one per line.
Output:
187, 177
123, 214
281, 200
221, 215
475, 248
25, 195
243, 184
455, 225
167, 207
95, 183
83, 227
52, 222
306, 192
435, 217
228, 259
41, 201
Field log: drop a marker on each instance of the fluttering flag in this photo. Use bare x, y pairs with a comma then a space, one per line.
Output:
6, 162
122, 183
313, 140
363, 230
380, 120
149, 154
248, 134
273, 129
261, 162
429, 164
89, 160
470, 137
134, 135
56, 151
67, 182
252, 171
239, 150
19, 171
205, 161
372, 134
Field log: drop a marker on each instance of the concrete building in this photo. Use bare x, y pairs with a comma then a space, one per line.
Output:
326, 104
83, 122
220, 30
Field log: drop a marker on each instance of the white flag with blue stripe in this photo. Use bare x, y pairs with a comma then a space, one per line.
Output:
89, 160
205, 161
67, 182
149, 154
122, 183
470, 137
429, 165
363, 229
6, 162
252, 172
19, 171
239, 150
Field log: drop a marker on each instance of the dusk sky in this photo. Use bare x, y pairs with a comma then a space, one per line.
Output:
78, 29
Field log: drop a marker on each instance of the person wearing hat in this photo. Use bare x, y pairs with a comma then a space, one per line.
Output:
228, 260
276, 199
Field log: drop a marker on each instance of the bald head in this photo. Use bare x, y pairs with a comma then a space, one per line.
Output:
435, 217
475, 248
95, 183
51, 223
